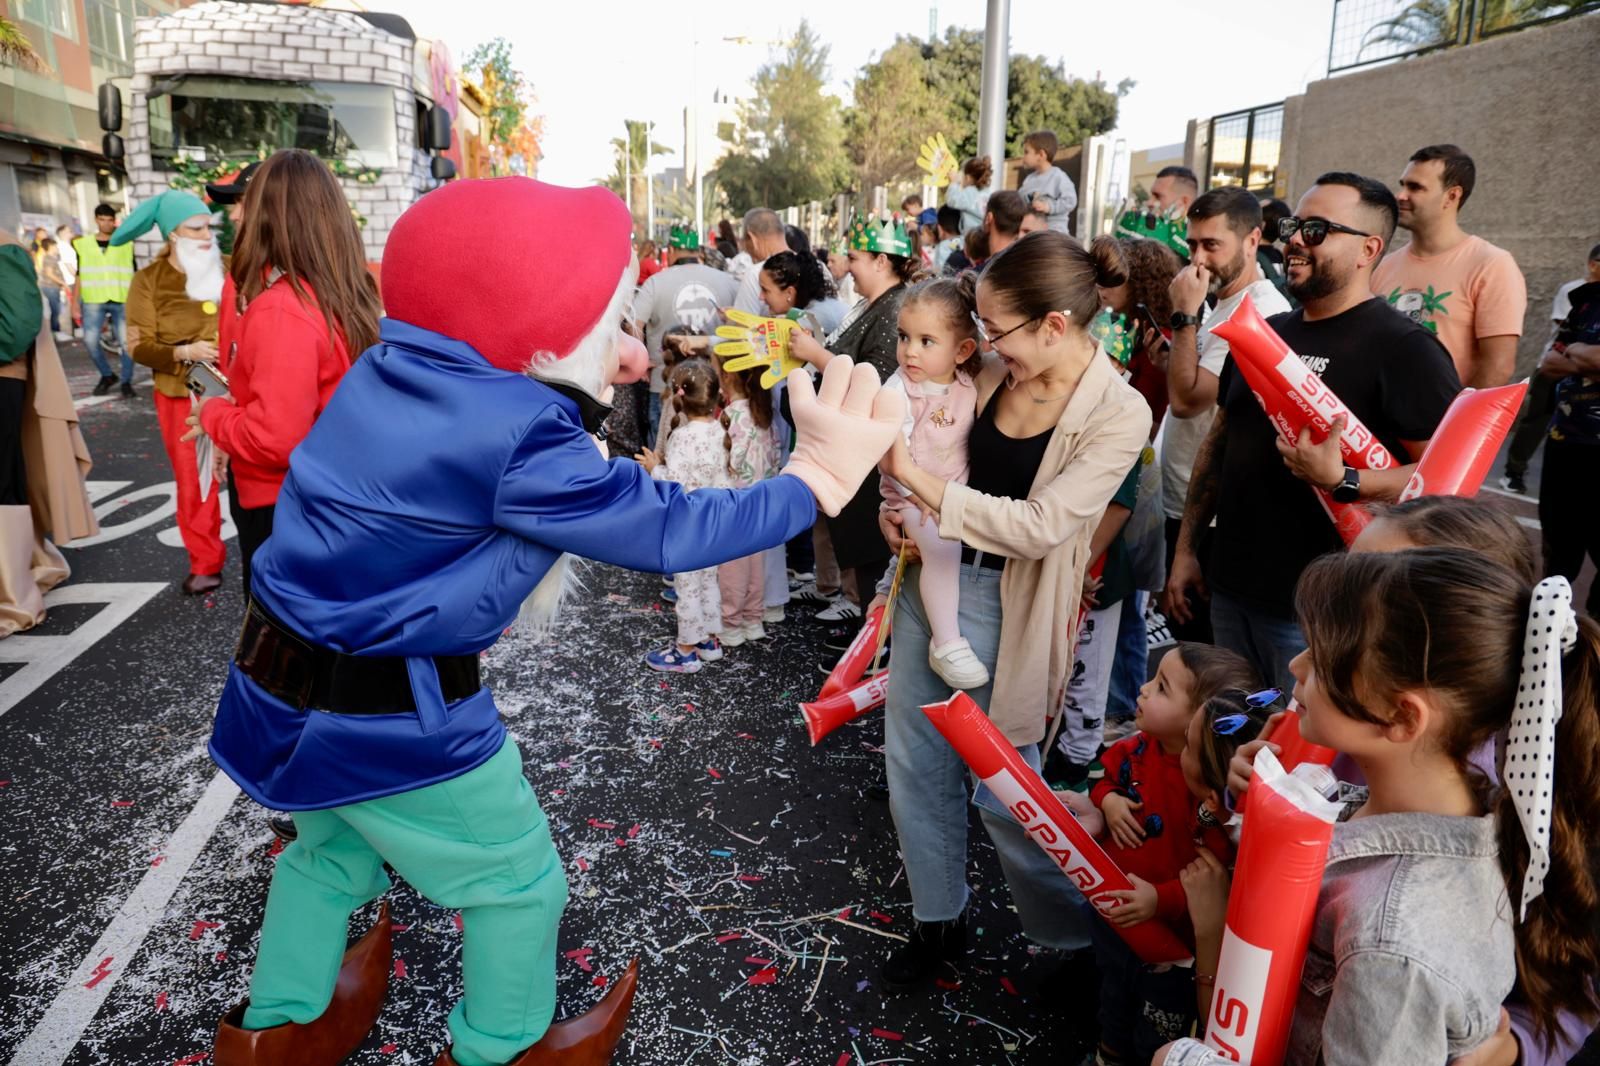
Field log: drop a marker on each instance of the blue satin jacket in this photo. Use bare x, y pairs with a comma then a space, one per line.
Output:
426, 503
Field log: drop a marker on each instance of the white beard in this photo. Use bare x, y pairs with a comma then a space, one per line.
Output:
201, 266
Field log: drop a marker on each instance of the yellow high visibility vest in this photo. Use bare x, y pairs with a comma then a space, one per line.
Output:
103, 276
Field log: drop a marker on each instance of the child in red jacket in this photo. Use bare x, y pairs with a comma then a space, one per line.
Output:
1152, 827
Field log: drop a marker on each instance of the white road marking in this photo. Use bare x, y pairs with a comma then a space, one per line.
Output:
106, 505
44, 657
1529, 523
92, 401
75, 1006
1519, 497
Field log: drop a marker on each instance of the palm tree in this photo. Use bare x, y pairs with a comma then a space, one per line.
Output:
631, 158
1433, 23
17, 51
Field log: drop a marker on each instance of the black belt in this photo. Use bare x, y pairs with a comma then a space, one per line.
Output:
312, 678
982, 560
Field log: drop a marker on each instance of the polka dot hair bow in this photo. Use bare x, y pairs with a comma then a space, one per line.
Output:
1531, 744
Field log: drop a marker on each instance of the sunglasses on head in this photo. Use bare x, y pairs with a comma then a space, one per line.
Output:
1313, 231
1226, 725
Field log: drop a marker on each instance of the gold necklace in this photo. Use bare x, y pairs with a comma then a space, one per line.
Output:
1011, 382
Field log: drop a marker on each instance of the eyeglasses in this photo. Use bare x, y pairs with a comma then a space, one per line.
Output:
983, 332
1313, 231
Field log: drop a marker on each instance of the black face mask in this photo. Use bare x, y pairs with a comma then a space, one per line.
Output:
591, 412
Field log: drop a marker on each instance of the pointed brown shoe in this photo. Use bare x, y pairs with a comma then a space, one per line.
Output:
339, 1030
587, 1040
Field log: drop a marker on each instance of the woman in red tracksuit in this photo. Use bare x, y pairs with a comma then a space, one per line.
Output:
309, 306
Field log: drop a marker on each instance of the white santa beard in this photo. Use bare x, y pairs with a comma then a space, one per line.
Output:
202, 268
587, 367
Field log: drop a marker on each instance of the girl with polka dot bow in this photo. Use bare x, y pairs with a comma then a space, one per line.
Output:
1439, 890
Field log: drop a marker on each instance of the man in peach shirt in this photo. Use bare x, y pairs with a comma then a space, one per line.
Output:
1467, 291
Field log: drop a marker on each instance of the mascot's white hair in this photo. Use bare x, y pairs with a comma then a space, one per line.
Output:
583, 368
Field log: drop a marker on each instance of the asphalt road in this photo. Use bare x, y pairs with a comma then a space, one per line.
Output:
699, 829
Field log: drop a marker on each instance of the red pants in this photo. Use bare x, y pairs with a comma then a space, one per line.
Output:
199, 522
743, 583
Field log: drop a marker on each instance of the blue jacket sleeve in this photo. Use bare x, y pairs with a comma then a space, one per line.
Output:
557, 491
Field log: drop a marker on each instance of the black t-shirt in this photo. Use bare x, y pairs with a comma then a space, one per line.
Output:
1001, 466
1390, 372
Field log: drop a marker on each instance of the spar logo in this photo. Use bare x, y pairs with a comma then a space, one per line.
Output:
1053, 840
1308, 392
1241, 990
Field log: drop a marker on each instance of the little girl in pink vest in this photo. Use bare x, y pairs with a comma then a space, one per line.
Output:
938, 356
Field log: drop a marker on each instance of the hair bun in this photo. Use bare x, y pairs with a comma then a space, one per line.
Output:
1110, 266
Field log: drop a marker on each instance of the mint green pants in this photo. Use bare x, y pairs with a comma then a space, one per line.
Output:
479, 844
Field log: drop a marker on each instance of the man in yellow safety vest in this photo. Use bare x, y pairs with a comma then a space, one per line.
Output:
104, 274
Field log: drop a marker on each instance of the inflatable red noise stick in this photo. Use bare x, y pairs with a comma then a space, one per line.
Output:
823, 716
1287, 829
1295, 748
856, 658
1047, 820
1465, 443
1293, 398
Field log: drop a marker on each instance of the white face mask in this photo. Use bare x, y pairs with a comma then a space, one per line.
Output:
201, 262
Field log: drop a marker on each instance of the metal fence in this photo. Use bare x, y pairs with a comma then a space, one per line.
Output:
1243, 148
1366, 32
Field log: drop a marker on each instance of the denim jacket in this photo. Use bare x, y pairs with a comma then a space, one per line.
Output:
1411, 953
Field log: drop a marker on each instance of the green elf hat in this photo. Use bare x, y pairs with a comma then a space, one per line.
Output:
887, 237
167, 211
683, 238
1170, 229
1110, 331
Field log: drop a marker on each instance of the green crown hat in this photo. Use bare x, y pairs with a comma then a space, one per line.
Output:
887, 237
1110, 330
1170, 229
685, 238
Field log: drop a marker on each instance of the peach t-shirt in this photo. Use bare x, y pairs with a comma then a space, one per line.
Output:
1474, 290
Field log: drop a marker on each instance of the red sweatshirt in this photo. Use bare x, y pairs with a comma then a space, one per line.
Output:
281, 375
1157, 779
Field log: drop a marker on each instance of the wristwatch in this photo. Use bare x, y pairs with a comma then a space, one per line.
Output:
1348, 490
1181, 320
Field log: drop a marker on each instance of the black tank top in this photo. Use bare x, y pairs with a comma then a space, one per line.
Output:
1001, 466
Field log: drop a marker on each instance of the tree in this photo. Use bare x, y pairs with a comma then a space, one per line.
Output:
632, 156
789, 146
513, 130
896, 108
17, 51
1041, 95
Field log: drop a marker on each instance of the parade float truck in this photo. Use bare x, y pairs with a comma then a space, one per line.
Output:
222, 83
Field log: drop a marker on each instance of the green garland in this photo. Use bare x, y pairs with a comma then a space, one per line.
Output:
195, 176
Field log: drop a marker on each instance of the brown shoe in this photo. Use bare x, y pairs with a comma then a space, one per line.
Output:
200, 584
329, 1040
587, 1040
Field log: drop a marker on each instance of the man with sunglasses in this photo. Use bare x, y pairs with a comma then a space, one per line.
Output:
1463, 289
1390, 372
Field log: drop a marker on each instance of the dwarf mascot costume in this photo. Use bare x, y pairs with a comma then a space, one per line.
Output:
446, 480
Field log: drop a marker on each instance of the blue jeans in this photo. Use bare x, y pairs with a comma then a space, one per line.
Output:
928, 781
1267, 641
52, 296
93, 316
1132, 666
647, 432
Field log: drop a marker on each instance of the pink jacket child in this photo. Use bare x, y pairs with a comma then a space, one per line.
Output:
938, 419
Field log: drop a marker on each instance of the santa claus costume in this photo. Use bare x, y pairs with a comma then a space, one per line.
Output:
450, 473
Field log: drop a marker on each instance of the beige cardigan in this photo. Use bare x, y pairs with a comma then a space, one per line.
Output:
1045, 539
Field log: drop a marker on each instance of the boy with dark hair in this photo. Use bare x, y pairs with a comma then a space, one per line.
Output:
1046, 187
1463, 289
949, 222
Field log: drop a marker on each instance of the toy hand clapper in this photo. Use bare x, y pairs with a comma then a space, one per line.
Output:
757, 340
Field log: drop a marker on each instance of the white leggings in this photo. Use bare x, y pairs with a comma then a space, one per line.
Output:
940, 584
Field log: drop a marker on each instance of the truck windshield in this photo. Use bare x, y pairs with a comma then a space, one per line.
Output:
211, 120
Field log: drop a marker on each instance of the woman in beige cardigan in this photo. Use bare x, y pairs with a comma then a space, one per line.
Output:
1056, 433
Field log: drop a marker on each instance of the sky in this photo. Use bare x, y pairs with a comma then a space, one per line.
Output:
596, 64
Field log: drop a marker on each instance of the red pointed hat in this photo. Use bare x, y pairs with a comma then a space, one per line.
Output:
511, 266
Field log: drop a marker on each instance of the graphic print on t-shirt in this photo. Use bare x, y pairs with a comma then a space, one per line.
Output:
695, 308
1422, 306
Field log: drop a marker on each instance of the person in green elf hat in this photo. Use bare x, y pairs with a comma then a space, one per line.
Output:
172, 323
882, 262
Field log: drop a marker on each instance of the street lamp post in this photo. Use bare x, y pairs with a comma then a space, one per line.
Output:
992, 102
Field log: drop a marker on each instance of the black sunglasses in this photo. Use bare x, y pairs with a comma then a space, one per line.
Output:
1313, 231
